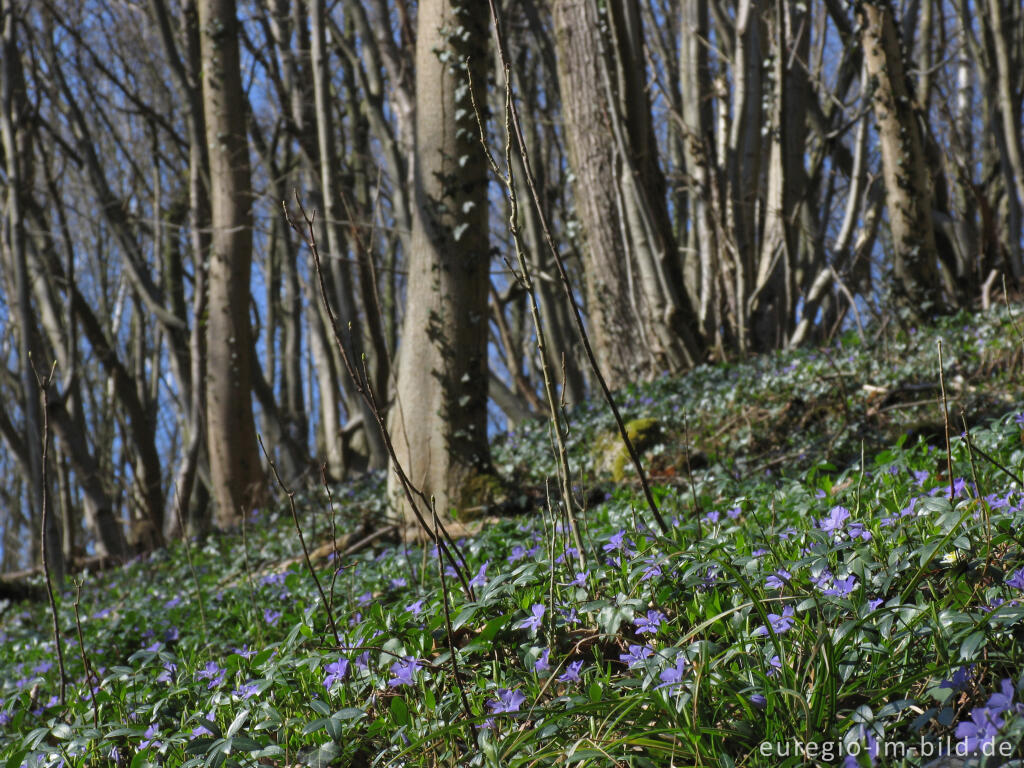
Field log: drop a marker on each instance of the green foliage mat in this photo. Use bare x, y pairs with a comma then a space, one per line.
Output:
806, 606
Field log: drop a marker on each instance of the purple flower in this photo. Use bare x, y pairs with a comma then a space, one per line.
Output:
673, 676
960, 679
569, 553
364, 599
778, 579
247, 691
542, 664
404, 672
335, 672
271, 617
415, 608
618, 542
921, 477
636, 656
758, 700
167, 675
648, 625
1002, 701
172, 603
774, 666
398, 583
509, 700
42, 667
653, 569
712, 517
734, 513
834, 522
822, 580
213, 673
842, 587
201, 729
480, 580
981, 731
533, 623
517, 554
149, 737
569, 615
580, 579
780, 623
858, 531
572, 673
1017, 579
245, 651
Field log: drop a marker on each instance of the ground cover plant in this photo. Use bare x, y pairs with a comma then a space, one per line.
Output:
835, 588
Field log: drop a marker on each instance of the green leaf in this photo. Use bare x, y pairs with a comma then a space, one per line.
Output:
349, 713
320, 757
969, 647
237, 723
320, 707
400, 711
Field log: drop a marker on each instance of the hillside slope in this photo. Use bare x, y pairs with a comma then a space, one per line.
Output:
804, 606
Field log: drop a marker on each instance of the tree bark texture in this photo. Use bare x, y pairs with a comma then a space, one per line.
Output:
231, 433
640, 318
439, 421
908, 180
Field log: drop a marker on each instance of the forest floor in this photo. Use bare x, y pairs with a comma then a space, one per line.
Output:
840, 581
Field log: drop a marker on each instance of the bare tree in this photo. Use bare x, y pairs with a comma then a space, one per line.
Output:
231, 433
439, 421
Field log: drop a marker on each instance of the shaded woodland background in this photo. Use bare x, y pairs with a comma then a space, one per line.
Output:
719, 178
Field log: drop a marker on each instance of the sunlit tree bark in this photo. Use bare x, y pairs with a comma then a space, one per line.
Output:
231, 433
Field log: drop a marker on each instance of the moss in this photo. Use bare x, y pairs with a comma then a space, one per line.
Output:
611, 452
479, 491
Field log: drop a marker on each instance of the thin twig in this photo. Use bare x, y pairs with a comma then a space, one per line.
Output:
302, 540
945, 418
448, 620
363, 388
986, 509
85, 659
191, 565
44, 386
525, 278
566, 283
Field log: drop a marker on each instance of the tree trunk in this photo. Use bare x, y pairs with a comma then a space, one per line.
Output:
439, 422
348, 317
231, 432
908, 180
17, 152
640, 319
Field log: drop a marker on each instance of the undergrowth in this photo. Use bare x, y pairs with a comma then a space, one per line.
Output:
807, 606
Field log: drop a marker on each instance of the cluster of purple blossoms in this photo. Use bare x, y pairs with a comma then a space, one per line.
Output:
336, 672
649, 624
404, 672
778, 579
780, 623
533, 622
213, 673
636, 656
985, 723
